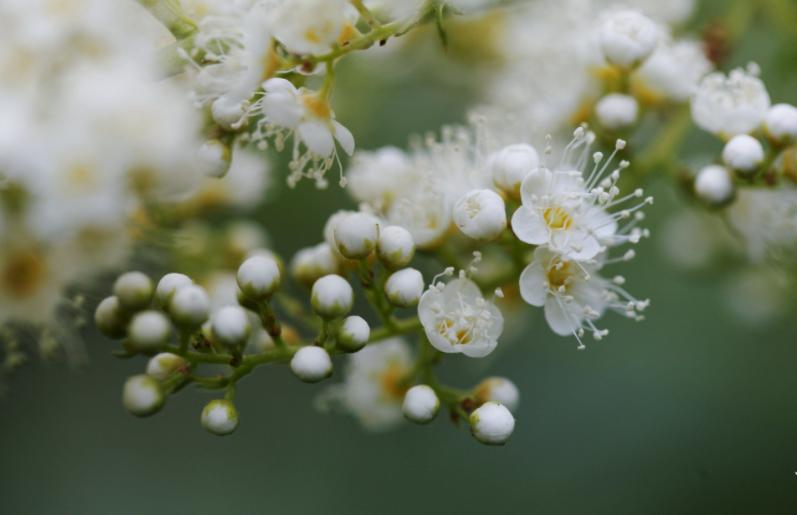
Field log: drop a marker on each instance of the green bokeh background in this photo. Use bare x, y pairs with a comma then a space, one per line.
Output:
691, 411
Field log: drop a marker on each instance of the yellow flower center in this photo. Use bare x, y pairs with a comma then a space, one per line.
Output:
317, 105
23, 273
558, 274
557, 218
391, 381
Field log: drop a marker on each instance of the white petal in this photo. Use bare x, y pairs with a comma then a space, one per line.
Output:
278, 85
563, 318
528, 226
317, 136
344, 137
282, 109
478, 351
532, 284
537, 183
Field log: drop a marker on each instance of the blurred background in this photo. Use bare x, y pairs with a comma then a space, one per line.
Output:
692, 411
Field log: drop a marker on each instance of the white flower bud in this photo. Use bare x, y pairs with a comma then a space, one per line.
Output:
227, 112
134, 290
258, 277
356, 235
616, 111
714, 185
331, 296
214, 157
511, 165
420, 404
190, 306
405, 287
627, 38
110, 319
162, 365
220, 417
500, 390
311, 364
743, 153
781, 122
169, 284
142, 396
230, 325
312, 263
480, 214
354, 333
149, 330
396, 247
492, 423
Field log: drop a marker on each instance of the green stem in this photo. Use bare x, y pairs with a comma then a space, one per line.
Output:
171, 15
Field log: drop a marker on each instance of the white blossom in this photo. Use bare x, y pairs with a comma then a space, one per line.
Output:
732, 104
420, 404
743, 153
714, 185
220, 417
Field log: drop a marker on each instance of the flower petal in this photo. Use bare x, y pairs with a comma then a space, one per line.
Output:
529, 226
532, 284
563, 318
317, 136
344, 137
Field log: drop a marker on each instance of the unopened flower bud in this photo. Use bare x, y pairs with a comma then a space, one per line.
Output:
627, 38
134, 290
492, 423
230, 326
500, 390
356, 235
616, 111
331, 296
743, 153
169, 284
214, 157
781, 123
190, 306
110, 318
258, 277
511, 165
354, 333
312, 263
220, 417
405, 287
311, 364
480, 214
162, 365
149, 330
420, 404
142, 396
396, 246
227, 112
714, 185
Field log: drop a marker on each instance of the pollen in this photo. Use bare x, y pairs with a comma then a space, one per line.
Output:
557, 218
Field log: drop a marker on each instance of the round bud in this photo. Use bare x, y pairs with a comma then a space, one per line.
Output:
331, 296
743, 153
311, 364
500, 390
511, 165
627, 38
492, 423
134, 290
356, 235
142, 396
227, 112
714, 185
110, 318
149, 330
190, 306
420, 404
480, 214
616, 111
258, 277
230, 325
169, 284
220, 417
396, 247
405, 287
354, 333
312, 263
162, 365
781, 123
214, 157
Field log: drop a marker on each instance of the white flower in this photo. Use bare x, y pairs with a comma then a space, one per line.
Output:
500, 390
480, 214
258, 277
220, 417
311, 364
404, 287
354, 333
378, 177
312, 263
230, 325
766, 219
617, 111
169, 284
395, 247
149, 329
510, 165
743, 153
674, 70
714, 185
356, 235
457, 318
110, 318
373, 387
332, 296
420, 404
162, 365
732, 104
190, 306
573, 295
307, 117
492, 423
566, 208
396, 9
627, 38
134, 290
142, 396
781, 122
314, 26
